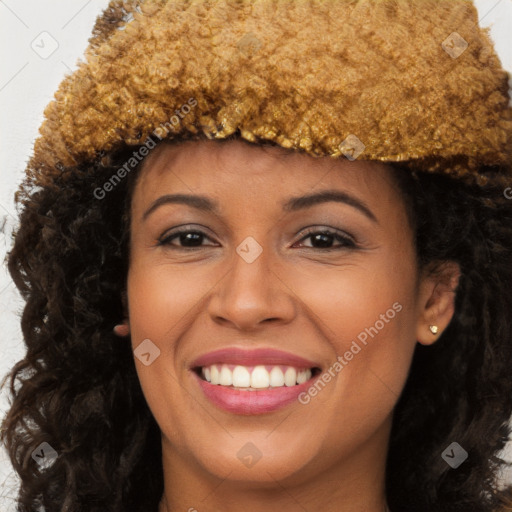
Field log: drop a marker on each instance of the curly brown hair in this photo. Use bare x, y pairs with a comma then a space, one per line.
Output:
77, 387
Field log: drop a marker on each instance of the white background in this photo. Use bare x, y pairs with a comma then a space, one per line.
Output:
27, 84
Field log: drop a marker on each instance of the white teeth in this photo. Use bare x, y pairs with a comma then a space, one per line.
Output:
214, 372
260, 378
276, 377
290, 377
302, 376
241, 377
226, 376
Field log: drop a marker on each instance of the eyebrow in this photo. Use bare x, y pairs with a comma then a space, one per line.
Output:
293, 204
324, 196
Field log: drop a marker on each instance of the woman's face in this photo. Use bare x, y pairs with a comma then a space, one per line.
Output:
256, 293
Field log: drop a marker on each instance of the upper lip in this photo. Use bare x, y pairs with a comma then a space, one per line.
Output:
253, 357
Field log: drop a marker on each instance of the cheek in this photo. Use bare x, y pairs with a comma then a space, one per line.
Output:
162, 299
370, 297
162, 305
366, 311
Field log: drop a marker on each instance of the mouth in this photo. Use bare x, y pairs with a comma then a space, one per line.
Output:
256, 381
254, 378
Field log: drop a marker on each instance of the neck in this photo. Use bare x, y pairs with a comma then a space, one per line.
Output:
354, 484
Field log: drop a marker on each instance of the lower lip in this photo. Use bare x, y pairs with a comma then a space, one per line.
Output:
251, 402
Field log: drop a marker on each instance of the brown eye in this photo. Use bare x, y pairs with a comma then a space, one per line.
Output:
324, 239
320, 239
187, 238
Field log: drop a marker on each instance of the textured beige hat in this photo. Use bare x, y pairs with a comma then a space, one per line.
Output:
387, 80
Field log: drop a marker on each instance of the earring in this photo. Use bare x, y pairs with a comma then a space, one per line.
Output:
433, 329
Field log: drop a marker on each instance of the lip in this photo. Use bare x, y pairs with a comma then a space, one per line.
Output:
237, 401
253, 357
244, 402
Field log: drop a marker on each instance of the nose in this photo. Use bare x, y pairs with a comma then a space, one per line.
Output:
251, 294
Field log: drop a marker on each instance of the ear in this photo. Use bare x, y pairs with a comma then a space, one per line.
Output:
436, 303
122, 329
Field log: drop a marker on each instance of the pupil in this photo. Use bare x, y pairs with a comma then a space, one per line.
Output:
325, 240
191, 237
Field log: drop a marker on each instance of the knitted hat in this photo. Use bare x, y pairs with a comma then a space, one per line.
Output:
386, 80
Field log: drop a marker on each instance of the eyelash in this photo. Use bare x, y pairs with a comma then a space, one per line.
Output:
346, 241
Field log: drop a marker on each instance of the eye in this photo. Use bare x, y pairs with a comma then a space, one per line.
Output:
187, 237
320, 239
324, 238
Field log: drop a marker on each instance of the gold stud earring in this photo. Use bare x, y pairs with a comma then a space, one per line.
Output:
433, 329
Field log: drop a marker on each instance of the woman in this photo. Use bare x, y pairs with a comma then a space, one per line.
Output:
310, 312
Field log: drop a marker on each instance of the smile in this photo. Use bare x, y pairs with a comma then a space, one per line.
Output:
253, 382
251, 378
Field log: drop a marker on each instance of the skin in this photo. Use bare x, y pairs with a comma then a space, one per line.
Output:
297, 296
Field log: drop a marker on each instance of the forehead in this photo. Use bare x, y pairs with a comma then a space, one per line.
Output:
212, 164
